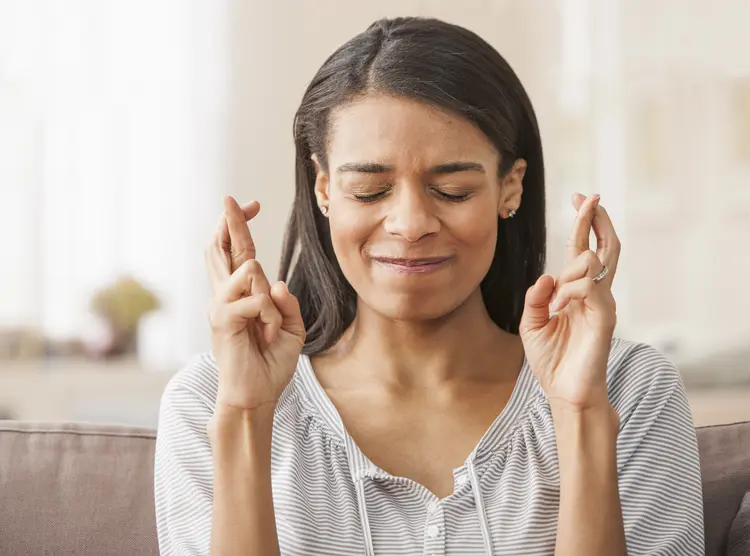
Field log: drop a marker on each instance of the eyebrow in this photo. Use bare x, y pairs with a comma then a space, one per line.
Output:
364, 168
453, 167
374, 168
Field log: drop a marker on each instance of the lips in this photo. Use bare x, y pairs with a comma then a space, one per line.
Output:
413, 266
411, 262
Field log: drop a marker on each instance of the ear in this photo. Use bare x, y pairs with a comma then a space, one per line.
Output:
322, 183
511, 189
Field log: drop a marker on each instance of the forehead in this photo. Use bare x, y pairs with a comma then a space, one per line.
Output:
386, 128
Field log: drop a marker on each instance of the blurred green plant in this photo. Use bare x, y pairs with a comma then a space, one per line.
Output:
123, 304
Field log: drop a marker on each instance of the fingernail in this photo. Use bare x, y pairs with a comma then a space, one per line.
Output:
596, 198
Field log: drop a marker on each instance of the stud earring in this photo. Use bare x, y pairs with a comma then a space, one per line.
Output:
324, 209
512, 213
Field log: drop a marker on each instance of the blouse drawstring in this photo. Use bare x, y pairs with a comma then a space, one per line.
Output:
479, 502
363, 517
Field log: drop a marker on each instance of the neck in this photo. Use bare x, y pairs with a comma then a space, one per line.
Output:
465, 344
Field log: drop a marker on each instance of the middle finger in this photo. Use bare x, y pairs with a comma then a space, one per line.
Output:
578, 240
242, 247
221, 238
607, 242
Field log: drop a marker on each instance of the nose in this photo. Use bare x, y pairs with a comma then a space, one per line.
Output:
410, 214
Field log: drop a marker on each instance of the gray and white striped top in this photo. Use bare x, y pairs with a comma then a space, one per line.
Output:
330, 499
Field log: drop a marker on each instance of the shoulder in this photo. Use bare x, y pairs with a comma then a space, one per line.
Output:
193, 389
198, 379
638, 372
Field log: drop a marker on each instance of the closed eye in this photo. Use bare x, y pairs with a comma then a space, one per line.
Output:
453, 198
370, 198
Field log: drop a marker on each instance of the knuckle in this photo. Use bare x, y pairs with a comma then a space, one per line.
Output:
241, 250
268, 306
238, 250
590, 258
216, 316
252, 266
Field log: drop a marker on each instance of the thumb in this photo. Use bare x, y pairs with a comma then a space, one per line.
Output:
288, 306
536, 309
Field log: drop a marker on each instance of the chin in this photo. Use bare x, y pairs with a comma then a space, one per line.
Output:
416, 306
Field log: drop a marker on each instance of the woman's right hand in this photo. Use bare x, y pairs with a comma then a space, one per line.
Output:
257, 330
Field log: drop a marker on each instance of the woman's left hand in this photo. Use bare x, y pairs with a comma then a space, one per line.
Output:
567, 343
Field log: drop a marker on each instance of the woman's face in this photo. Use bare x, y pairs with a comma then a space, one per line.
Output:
413, 198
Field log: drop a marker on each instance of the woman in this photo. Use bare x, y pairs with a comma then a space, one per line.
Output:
416, 384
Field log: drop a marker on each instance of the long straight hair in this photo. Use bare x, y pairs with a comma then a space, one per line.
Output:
454, 70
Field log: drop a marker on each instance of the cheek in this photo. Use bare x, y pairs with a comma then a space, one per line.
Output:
350, 229
476, 232
476, 241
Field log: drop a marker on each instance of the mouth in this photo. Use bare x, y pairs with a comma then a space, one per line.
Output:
413, 266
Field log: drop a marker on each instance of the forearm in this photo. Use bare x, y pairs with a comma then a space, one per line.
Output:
243, 517
590, 519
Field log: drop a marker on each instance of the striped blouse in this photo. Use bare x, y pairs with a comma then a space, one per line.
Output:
330, 499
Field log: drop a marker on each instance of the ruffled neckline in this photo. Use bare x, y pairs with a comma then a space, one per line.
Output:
525, 392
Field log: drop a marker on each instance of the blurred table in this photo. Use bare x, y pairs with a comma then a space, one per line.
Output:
720, 405
123, 391
118, 391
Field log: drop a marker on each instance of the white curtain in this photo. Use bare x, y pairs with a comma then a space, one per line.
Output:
112, 157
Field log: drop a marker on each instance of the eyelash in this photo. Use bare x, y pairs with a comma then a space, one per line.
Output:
376, 196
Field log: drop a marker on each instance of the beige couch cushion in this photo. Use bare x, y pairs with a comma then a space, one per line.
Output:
76, 489
88, 489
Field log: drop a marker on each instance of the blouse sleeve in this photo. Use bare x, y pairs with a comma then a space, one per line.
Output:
657, 459
183, 467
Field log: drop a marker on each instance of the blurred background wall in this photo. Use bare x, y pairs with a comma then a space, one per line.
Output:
122, 125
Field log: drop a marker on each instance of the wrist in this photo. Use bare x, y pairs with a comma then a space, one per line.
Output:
600, 415
228, 420
589, 517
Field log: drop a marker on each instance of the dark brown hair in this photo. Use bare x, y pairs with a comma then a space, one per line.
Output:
454, 70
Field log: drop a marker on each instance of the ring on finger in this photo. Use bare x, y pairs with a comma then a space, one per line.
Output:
599, 277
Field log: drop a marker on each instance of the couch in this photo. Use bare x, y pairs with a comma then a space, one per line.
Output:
86, 490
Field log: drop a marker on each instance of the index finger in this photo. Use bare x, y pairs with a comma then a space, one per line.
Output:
241, 245
578, 240
221, 235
